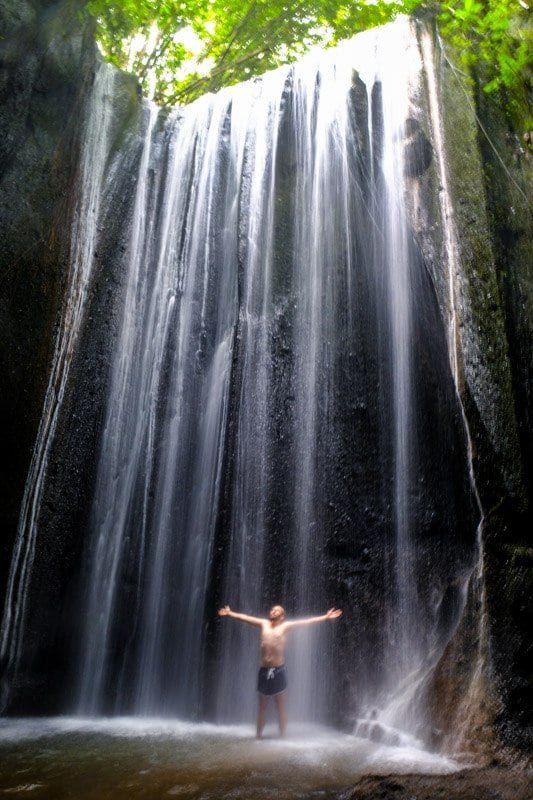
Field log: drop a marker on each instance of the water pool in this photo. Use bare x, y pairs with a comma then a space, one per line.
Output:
122, 758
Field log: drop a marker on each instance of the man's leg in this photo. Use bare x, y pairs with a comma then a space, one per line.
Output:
261, 712
282, 712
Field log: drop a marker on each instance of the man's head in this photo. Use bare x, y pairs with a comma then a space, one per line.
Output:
276, 614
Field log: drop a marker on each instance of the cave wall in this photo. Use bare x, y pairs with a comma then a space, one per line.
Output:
508, 182
490, 174
48, 60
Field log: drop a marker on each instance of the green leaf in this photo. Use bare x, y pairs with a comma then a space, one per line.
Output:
194, 46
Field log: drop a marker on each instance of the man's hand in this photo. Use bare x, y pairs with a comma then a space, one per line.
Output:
333, 613
227, 612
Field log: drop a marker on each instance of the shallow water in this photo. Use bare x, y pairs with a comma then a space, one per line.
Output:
67, 757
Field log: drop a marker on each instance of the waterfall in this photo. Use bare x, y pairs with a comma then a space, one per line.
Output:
245, 262
406, 644
159, 470
279, 382
113, 489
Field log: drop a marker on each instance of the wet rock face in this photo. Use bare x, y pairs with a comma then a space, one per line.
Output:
487, 784
48, 62
508, 539
494, 225
42, 74
418, 149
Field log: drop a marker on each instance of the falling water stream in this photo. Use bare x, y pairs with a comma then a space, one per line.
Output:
235, 251
263, 367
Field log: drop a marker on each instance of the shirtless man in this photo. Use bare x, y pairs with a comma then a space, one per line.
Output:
271, 681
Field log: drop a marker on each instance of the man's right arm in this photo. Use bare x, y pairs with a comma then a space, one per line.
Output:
227, 612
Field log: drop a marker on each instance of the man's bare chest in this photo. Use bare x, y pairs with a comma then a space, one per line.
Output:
273, 637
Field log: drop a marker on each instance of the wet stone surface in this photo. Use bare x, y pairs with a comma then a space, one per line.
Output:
475, 784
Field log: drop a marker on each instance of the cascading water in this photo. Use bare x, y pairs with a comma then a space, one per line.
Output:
404, 651
162, 443
262, 434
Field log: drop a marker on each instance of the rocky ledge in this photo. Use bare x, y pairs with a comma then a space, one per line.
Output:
491, 783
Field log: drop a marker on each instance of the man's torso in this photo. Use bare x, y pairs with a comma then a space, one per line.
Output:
273, 640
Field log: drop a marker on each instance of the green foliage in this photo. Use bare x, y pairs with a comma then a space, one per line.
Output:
183, 48
493, 38
202, 45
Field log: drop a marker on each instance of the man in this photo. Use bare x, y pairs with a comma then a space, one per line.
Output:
271, 681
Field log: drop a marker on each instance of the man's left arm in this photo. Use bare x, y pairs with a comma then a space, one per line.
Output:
333, 613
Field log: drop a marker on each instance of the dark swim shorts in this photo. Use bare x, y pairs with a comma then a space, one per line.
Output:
271, 680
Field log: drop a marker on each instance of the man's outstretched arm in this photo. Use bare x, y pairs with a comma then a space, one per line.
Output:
333, 613
227, 612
